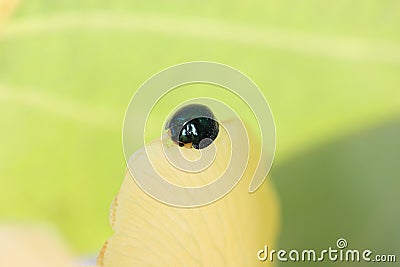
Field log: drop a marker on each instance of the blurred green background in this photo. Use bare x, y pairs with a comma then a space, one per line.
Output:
329, 69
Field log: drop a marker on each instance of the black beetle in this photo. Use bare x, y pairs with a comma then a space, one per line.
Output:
194, 126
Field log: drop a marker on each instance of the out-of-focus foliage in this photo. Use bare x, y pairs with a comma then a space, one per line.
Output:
330, 71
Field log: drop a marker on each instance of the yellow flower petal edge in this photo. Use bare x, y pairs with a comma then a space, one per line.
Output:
228, 232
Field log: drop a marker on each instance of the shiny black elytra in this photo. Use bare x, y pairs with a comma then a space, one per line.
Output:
194, 126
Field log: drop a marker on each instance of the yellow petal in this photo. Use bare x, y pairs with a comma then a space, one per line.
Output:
228, 232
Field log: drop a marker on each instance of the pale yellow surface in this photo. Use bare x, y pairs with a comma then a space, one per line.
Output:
6, 7
228, 232
32, 246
